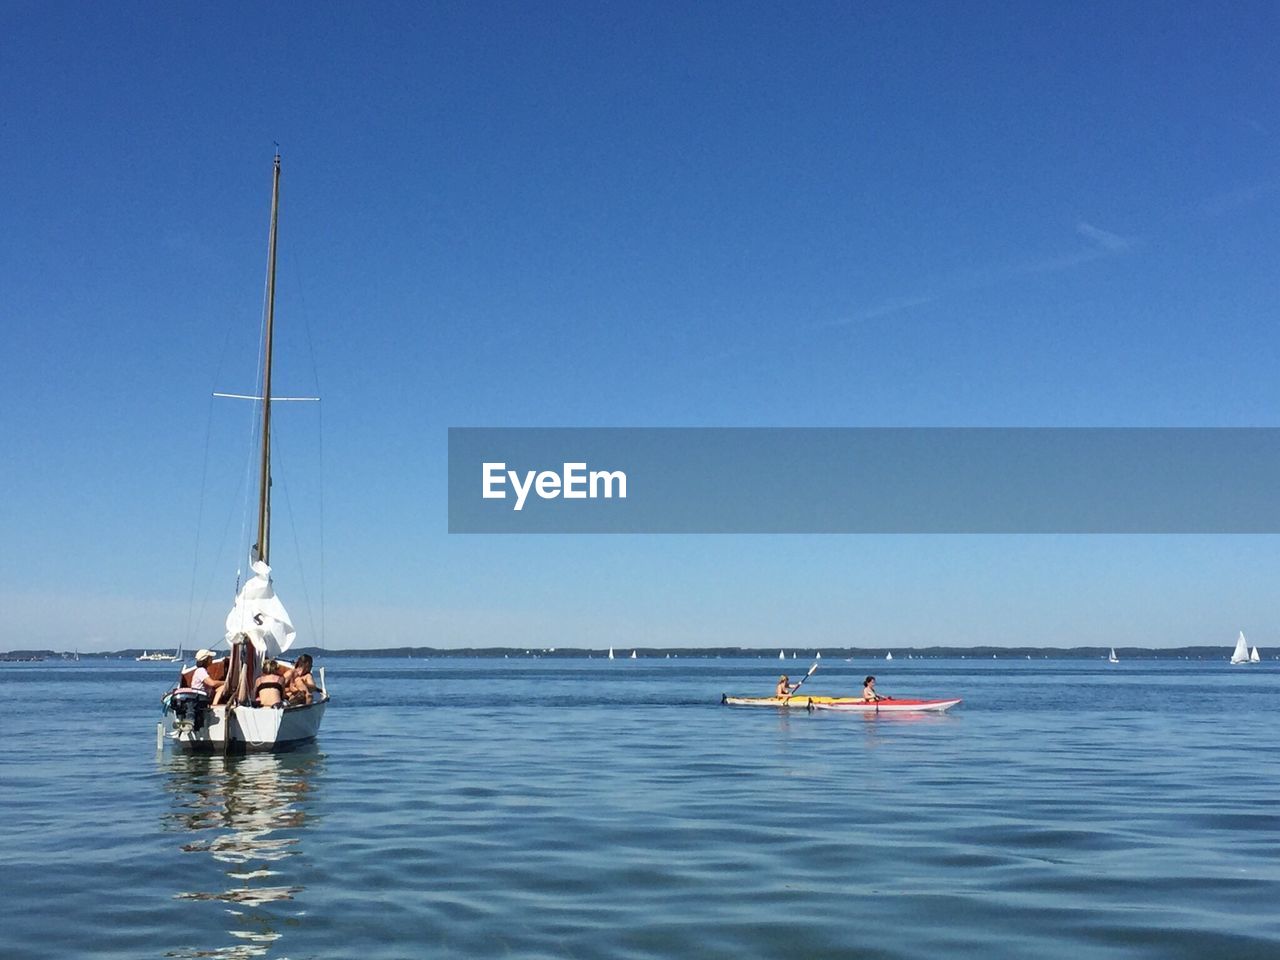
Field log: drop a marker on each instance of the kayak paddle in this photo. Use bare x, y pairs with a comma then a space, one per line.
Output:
803, 679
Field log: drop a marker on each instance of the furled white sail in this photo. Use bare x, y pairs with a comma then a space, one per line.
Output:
1241, 653
260, 615
1253, 656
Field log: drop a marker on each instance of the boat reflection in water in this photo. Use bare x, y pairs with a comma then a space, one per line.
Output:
248, 815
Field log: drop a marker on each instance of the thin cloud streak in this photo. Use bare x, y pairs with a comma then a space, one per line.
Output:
1105, 245
883, 309
1111, 242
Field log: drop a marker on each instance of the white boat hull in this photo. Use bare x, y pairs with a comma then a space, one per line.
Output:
251, 729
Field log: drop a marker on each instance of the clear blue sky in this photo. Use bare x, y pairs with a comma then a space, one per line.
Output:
620, 214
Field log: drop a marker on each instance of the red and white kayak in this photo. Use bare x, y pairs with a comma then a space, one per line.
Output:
845, 704
889, 705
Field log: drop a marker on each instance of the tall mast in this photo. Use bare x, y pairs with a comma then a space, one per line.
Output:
264, 474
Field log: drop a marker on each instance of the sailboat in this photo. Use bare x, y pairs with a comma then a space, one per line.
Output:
611, 653
1253, 656
633, 654
158, 657
1113, 658
889, 655
781, 655
1241, 652
258, 627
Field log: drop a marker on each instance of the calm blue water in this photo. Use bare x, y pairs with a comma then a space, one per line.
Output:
583, 809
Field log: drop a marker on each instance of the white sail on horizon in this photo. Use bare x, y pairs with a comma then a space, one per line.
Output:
1254, 656
259, 615
1241, 652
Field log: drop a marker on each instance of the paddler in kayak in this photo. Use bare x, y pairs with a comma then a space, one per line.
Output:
784, 687
869, 691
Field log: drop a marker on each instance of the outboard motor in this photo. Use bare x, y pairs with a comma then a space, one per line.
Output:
188, 706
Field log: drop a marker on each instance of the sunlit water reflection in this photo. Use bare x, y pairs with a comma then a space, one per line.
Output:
246, 817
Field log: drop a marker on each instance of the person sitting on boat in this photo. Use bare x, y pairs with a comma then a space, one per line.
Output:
785, 687
299, 685
869, 691
269, 688
201, 681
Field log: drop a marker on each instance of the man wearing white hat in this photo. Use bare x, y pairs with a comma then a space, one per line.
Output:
200, 680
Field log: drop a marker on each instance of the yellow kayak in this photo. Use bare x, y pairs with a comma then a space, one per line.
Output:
800, 701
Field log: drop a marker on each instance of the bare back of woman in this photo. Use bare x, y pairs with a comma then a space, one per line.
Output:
269, 688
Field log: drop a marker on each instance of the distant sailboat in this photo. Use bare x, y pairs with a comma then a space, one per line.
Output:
611, 653
818, 655
1113, 658
1253, 656
1241, 652
161, 657
781, 655
889, 655
633, 654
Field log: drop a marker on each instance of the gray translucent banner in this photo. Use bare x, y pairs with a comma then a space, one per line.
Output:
917, 480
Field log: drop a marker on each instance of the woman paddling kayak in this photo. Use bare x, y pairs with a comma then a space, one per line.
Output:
869, 691
785, 687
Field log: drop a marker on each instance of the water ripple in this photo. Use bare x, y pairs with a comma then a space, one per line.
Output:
583, 809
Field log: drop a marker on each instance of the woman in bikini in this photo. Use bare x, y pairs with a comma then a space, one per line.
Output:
269, 688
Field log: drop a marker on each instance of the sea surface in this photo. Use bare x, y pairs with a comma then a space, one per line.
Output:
526, 808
